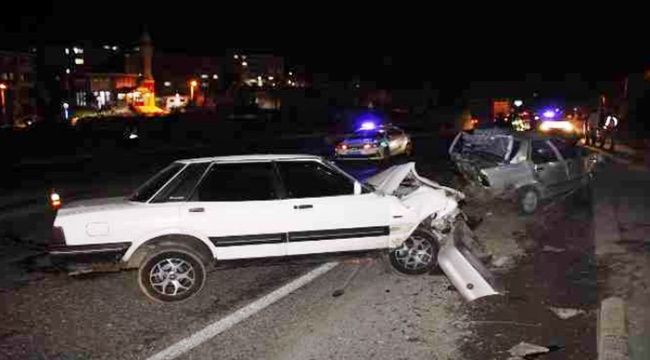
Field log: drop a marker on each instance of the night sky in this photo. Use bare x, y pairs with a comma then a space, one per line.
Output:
403, 47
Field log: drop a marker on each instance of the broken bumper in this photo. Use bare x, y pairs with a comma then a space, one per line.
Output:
463, 267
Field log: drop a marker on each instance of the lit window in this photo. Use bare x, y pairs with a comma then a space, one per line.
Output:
215, 76
168, 84
77, 50
79, 61
114, 48
67, 71
204, 76
107, 47
67, 51
235, 56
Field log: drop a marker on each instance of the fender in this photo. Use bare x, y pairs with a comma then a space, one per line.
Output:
143, 238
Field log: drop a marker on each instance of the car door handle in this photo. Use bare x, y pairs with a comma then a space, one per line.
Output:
197, 209
305, 206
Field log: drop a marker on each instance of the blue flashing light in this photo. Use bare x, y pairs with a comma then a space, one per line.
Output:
549, 114
368, 125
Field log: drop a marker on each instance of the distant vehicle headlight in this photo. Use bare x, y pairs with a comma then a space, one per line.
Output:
565, 126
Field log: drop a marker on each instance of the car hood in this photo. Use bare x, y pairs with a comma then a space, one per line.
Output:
390, 179
93, 205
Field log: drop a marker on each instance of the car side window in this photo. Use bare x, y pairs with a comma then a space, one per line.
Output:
179, 189
542, 152
238, 182
305, 179
567, 150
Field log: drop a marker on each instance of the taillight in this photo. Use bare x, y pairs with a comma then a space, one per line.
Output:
343, 146
58, 237
55, 200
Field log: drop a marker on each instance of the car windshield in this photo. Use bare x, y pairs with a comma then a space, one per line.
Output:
367, 134
151, 186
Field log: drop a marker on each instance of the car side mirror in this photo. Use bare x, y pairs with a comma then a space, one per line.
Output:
357, 188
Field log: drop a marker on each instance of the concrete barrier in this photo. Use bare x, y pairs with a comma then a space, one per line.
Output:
612, 330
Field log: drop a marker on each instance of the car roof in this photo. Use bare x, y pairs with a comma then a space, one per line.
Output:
520, 135
250, 157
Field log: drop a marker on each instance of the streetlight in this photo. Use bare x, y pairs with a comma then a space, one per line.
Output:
193, 84
3, 87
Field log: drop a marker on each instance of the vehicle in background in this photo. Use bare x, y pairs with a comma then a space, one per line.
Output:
200, 211
525, 166
372, 141
554, 123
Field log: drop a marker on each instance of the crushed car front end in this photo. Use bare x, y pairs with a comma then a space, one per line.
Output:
423, 203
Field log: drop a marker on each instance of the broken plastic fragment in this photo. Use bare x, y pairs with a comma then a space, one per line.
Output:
548, 248
525, 349
566, 313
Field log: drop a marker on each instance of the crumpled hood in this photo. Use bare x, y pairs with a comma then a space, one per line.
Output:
92, 205
389, 180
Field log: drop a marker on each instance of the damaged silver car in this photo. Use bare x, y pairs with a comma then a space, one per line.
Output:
523, 166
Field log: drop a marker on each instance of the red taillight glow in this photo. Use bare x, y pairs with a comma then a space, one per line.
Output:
55, 200
343, 147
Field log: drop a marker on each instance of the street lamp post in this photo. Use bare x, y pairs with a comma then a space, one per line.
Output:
193, 84
3, 87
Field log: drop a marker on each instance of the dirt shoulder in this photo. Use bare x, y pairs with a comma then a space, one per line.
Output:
545, 261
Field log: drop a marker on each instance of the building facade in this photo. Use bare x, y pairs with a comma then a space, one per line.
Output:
17, 88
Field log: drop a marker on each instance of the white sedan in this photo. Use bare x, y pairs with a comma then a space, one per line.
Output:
198, 211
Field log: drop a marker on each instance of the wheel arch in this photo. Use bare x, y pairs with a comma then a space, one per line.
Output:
202, 247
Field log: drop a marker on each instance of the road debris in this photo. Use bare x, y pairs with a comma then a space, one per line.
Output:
524, 349
548, 248
566, 313
501, 261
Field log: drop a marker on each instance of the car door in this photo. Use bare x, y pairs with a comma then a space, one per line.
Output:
326, 215
549, 168
573, 157
236, 206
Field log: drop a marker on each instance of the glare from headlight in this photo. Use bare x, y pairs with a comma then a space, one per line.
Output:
556, 125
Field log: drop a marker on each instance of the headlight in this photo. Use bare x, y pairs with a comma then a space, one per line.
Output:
556, 125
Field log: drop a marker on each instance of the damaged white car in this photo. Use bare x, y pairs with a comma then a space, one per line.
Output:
200, 211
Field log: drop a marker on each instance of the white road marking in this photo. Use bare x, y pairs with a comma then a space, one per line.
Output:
233, 319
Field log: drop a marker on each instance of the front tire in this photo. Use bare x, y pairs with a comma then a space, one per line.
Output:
417, 255
171, 274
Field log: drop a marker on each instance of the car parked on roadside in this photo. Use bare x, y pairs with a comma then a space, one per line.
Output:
200, 211
372, 141
525, 166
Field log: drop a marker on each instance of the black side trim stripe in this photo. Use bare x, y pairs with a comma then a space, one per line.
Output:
339, 233
257, 239
120, 247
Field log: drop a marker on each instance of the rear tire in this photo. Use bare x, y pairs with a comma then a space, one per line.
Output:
171, 274
417, 255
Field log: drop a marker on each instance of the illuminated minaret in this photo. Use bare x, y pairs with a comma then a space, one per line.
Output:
146, 50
